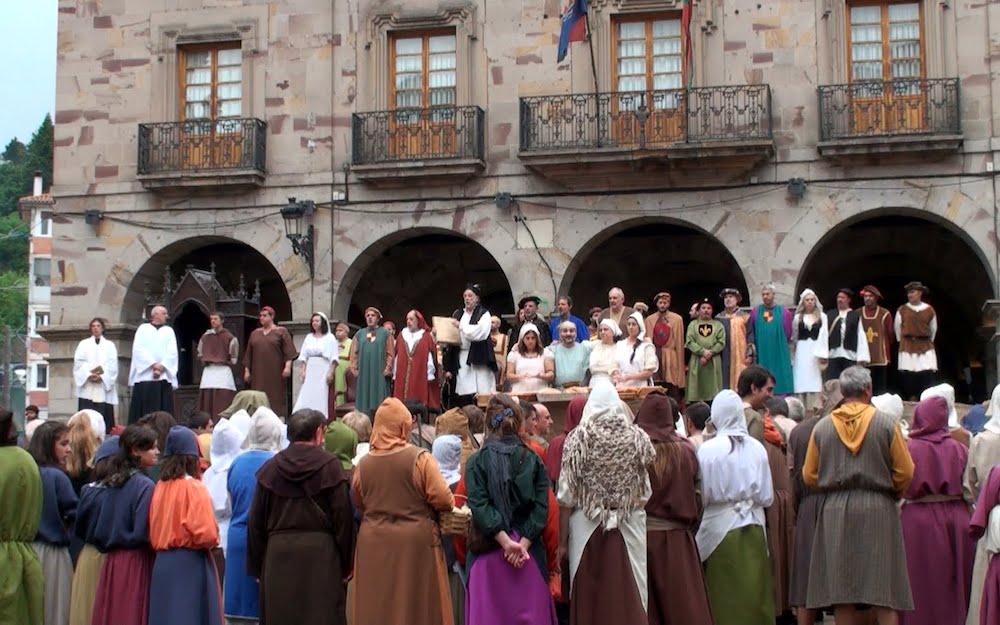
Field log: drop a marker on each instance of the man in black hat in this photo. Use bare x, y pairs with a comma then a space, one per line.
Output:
846, 342
916, 327
529, 306
876, 322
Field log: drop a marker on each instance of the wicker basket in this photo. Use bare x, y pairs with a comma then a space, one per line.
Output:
455, 522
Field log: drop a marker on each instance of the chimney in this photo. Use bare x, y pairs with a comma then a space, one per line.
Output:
37, 189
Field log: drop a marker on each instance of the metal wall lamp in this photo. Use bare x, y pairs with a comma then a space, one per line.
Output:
302, 244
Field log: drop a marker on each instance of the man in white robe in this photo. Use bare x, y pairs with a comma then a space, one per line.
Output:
153, 374
95, 374
472, 364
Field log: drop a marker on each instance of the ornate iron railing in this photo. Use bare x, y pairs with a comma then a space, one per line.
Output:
202, 145
645, 119
441, 132
881, 108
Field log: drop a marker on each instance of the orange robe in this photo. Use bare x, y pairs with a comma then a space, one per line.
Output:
181, 516
671, 355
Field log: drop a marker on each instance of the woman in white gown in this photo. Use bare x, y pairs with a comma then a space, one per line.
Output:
637, 359
317, 356
809, 331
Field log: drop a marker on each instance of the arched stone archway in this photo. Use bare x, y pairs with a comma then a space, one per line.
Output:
650, 254
888, 248
231, 259
422, 268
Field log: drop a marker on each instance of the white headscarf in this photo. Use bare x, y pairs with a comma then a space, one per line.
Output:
727, 414
603, 398
266, 433
614, 327
97, 427
528, 327
891, 405
264, 411
447, 450
947, 391
241, 421
637, 316
993, 412
225, 447
329, 330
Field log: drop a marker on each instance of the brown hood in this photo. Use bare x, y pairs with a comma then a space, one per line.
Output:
302, 470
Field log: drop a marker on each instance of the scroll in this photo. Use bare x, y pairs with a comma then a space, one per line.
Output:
445, 331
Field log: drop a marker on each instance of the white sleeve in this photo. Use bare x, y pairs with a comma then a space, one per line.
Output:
170, 362
478, 332
142, 359
822, 349
80, 370
110, 366
430, 366
933, 327
897, 327
302, 348
864, 353
234, 351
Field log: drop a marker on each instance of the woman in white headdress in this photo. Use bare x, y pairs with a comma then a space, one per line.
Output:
637, 359
809, 336
736, 487
529, 367
317, 358
603, 356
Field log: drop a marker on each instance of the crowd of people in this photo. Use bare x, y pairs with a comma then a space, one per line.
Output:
727, 491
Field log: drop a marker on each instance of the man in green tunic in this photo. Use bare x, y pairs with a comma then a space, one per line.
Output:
706, 338
20, 514
372, 352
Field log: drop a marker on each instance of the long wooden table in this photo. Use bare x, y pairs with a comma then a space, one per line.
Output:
558, 402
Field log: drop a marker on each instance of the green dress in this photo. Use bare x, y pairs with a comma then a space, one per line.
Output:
339, 381
372, 384
20, 514
704, 381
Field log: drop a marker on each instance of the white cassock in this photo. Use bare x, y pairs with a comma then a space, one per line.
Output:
472, 380
151, 346
91, 354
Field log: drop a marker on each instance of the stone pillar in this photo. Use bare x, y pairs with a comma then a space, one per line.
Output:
991, 320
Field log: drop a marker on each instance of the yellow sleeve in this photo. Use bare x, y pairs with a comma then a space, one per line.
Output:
902, 463
810, 468
427, 476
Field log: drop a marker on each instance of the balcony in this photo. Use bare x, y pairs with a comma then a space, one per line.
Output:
714, 135
439, 145
202, 154
902, 119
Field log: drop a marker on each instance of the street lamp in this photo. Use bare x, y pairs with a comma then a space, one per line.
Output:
302, 244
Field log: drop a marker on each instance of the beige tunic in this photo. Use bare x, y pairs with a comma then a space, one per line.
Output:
672, 354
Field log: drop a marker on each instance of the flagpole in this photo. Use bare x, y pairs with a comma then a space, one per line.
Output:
590, 44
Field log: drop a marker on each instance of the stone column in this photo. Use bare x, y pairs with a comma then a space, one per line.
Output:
991, 320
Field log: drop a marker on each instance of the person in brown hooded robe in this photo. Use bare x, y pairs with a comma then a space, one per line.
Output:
401, 578
300, 533
677, 593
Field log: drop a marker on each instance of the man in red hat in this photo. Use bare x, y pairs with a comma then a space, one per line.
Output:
916, 327
876, 322
666, 329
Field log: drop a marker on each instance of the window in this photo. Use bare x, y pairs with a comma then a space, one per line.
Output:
211, 87
44, 228
885, 42
41, 319
41, 381
42, 268
424, 74
649, 58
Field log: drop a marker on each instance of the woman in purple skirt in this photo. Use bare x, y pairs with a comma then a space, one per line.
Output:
508, 494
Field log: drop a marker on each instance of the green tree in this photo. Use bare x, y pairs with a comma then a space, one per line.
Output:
40, 153
13, 299
18, 165
14, 152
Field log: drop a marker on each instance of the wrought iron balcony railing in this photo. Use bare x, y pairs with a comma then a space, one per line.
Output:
882, 108
645, 119
196, 145
441, 132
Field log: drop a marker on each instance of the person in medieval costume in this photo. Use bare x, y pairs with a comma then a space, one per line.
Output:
95, 373
416, 370
570, 357
772, 331
916, 327
809, 335
472, 364
603, 489
666, 329
268, 360
739, 350
846, 344
153, 374
617, 311
338, 378
877, 324
985, 526
529, 307
372, 351
218, 350
317, 358
706, 338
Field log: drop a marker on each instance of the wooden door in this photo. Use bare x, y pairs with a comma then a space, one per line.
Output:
211, 132
424, 122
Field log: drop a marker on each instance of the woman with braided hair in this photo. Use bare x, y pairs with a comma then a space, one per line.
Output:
508, 493
603, 488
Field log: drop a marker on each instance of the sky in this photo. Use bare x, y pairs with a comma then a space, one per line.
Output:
28, 70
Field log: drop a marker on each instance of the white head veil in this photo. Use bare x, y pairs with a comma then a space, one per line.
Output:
266, 433
948, 392
637, 316
993, 412
727, 414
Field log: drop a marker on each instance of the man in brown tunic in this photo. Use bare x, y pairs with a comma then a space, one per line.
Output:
300, 532
617, 311
666, 329
268, 361
877, 325
916, 328
218, 350
860, 465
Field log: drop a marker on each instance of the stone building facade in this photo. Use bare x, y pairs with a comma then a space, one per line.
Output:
804, 143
